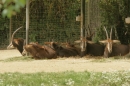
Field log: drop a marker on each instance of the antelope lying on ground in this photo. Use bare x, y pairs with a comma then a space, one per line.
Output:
39, 51
116, 49
94, 49
17, 42
62, 51
72, 46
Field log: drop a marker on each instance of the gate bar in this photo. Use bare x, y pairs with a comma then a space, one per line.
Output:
83, 42
27, 22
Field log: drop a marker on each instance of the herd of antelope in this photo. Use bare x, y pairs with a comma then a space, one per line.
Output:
51, 50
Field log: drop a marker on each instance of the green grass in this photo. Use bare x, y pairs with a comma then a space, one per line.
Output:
70, 78
21, 58
93, 59
110, 59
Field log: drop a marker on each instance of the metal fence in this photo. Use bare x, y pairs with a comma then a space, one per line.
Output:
93, 14
50, 20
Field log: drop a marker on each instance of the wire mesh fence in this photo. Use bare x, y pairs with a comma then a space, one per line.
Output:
50, 20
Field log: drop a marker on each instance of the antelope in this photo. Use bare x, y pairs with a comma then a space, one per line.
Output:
89, 34
39, 51
113, 47
72, 46
62, 51
17, 42
94, 49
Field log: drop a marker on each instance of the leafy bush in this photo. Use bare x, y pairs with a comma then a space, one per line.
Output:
113, 13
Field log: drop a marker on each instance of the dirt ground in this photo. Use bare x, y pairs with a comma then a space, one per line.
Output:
59, 65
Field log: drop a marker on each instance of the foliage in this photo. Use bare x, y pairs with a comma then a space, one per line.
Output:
49, 19
10, 7
68, 78
124, 8
109, 12
4, 29
112, 9
52, 19
99, 35
113, 13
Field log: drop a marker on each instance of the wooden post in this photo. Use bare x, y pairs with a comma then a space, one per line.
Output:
27, 21
83, 47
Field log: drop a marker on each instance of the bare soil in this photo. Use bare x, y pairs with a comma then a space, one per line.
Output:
59, 65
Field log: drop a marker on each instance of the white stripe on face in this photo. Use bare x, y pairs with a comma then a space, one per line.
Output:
109, 46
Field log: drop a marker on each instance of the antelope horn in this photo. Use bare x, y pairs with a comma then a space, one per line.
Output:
15, 32
106, 32
111, 33
12, 37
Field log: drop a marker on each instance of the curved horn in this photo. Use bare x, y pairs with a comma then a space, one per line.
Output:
15, 32
111, 33
106, 32
12, 37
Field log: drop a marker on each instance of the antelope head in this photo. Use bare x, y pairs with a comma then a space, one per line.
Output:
12, 38
109, 42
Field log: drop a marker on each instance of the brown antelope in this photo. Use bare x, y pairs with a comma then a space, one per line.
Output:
113, 47
39, 51
72, 46
62, 51
94, 49
17, 42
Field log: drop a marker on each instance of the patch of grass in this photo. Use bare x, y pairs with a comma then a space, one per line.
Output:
128, 56
115, 58
21, 58
101, 60
68, 78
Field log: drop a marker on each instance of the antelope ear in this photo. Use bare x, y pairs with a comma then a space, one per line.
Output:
116, 41
103, 41
90, 42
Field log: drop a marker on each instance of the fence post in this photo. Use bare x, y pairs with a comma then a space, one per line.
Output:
27, 22
83, 39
